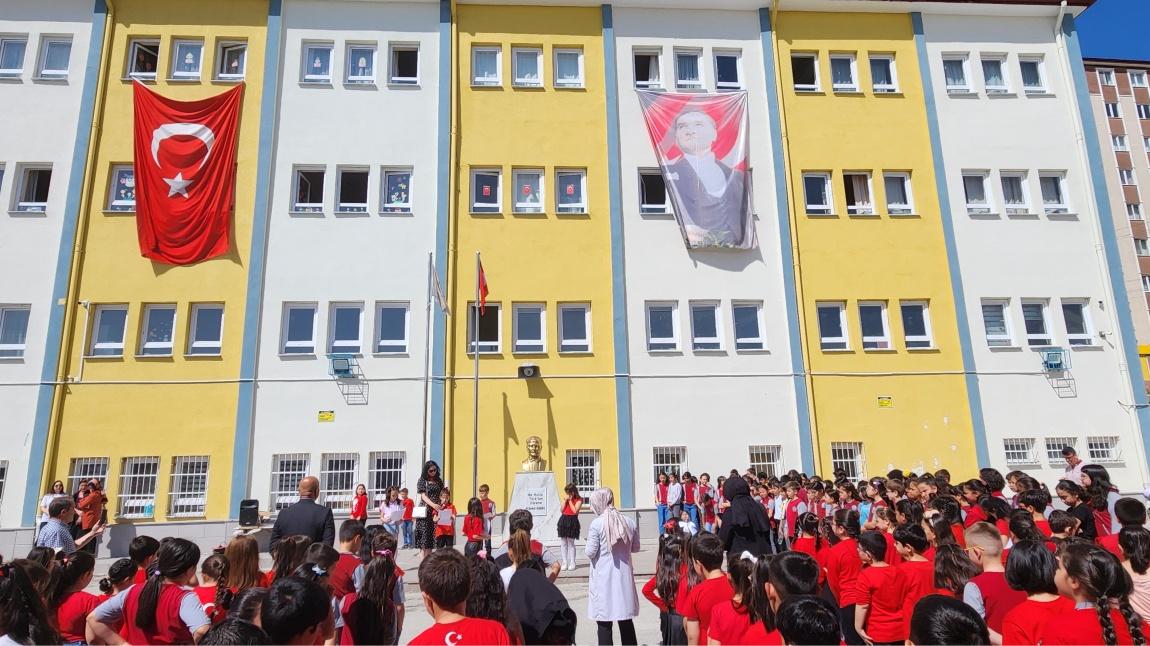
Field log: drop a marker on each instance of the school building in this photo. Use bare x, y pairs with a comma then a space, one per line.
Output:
941, 273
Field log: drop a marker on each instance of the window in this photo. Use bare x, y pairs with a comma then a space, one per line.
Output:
994, 75
1034, 319
528, 191
528, 64
143, 59
848, 456
1143, 110
996, 322
1134, 211
1103, 449
361, 63
1054, 446
287, 470
805, 70
1053, 195
843, 76
568, 68
485, 66
485, 191
1033, 77
1106, 77
954, 72
404, 65
873, 322
1112, 110
583, 470
974, 187
108, 340
137, 497
187, 59
662, 327
748, 321
1014, 198
570, 191
299, 328
54, 55
1019, 450
13, 330
687, 73
529, 323
1119, 143
85, 469
384, 470
882, 74
207, 329
391, 328
12, 56
898, 193
396, 191
159, 324
653, 193
1076, 314
765, 458
705, 326
817, 193
1141, 247
1126, 176
1137, 79
308, 190
916, 325
337, 480
669, 460
3, 476
856, 188
490, 329
575, 327
232, 60
32, 194
1146, 283
352, 191
188, 495
728, 70
317, 62
122, 192
832, 326
346, 323
647, 70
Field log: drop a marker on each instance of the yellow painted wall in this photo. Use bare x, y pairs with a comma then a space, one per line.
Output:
531, 258
117, 421
879, 257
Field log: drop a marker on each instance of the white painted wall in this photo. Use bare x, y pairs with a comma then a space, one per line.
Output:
39, 126
368, 257
1031, 257
714, 403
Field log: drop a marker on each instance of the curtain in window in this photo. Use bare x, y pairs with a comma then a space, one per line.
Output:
687, 66
992, 70
485, 66
567, 67
816, 191
994, 319
527, 66
895, 190
1034, 318
861, 188
1012, 191
955, 75
1075, 322
570, 189
56, 58
880, 72
1051, 190
830, 325
841, 72
1030, 75
12, 55
975, 191
15, 327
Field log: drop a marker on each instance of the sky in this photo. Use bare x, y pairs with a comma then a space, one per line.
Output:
1116, 29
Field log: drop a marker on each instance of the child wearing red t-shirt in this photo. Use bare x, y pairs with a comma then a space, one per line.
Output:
359, 504
474, 531
142, 550
714, 588
1030, 569
730, 619
568, 526
988, 593
408, 522
445, 581
1087, 574
71, 603
843, 564
1036, 501
669, 586
881, 591
342, 576
374, 615
884, 523
1130, 512
445, 522
213, 589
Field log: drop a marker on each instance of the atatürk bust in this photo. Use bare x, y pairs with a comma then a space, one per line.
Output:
533, 461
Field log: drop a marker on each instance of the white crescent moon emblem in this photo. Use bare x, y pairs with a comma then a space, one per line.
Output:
449, 642
197, 130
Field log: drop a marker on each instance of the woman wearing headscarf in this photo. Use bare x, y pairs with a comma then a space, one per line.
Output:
744, 526
428, 488
611, 595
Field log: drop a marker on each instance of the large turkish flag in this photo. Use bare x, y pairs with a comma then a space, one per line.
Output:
185, 174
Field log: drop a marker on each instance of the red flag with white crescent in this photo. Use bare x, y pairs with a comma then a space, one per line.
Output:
185, 168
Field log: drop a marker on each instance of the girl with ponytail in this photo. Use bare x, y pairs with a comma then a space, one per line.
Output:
213, 592
731, 619
843, 565
1100, 589
119, 578
668, 584
374, 615
23, 616
164, 610
69, 601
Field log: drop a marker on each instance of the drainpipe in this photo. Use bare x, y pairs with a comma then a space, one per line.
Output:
87, 305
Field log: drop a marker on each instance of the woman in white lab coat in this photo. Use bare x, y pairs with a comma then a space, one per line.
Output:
611, 595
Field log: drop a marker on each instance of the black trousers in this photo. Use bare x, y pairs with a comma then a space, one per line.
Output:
442, 542
671, 626
626, 632
847, 626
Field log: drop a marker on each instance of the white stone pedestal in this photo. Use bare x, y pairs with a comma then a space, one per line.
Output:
537, 492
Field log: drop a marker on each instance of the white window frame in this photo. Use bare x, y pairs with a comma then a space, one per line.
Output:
348, 345
1141, 247
657, 83
134, 500
1137, 78
205, 348
583, 346
286, 472
1024, 189
163, 348
893, 208
976, 208
1126, 177
304, 344
485, 347
1002, 70
188, 493
826, 341
578, 470
297, 176
871, 342
568, 84
819, 209
337, 469
3, 477
1060, 208
23, 175
998, 340
673, 340
523, 81
391, 347
860, 208
175, 73
497, 207
42, 71
806, 87
83, 469
528, 208
134, 46
1104, 75
14, 350
1134, 210
698, 341
765, 458
756, 343
385, 469
882, 88
1040, 66
917, 341
1146, 283
729, 53
1035, 340
1103, 449
1079, 339
964, 60
386, 207
1054, 446
654, 209
850, 457
352, 207
9, 39
668, 460
117, 205
393, 77
851, 87
1019, 450
1113, 109
528, 346
222, 48
571, 209
486, 82
1120, 143
1143, 110
681, 84
360, 79
115, 348
307, 73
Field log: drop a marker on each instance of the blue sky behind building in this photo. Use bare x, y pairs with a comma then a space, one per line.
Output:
1116, 30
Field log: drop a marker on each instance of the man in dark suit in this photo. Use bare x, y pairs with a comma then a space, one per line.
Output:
305, 517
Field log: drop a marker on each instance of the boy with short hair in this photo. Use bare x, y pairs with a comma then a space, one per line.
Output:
488, 513
1130, 512
142, 550
910, 542
351, 534
297, 611
792, 509
988, 593
408, 508
445, 581
1036, 501
808, 620
714, 588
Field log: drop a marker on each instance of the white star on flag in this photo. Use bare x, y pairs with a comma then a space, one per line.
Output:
178, 185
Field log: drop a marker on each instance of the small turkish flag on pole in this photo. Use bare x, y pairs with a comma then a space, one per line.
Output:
482, 287
185, 165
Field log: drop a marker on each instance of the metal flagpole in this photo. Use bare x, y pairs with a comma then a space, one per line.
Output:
427, 357
475, 421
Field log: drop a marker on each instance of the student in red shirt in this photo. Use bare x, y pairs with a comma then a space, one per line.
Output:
488, 513
972, 492
445, 523
669, 585
775, 580
473, 528
408, 509
287, 555
881, 591
713, 588
1030, 569
884, 524
374, 614
988, 593
142, 550
808, 620
297, 611
342, 579
1036, 501
120, 577
843, 566
568, 526
215, 598
910, 542
1130, 512
1094, 580
243, 555
939, 619
810, 540
953, 570
730, 619
69, 601
444, 581
359, 504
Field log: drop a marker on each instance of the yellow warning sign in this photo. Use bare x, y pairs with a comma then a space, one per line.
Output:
327, 416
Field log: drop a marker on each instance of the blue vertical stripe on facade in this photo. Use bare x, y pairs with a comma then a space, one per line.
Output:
442, 224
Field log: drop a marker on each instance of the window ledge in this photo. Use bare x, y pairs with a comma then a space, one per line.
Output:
15, 78
19, 359
874, 215
384, 213
1001, 95
815, 91
880, 350
386, 355
528, 353
932, 348
204, 355
822, 215
103, 357
488, 213
392, 85
665, 352
52, 80
714, 351
849, 91
295, 212
665, 215
486, 353
182, 79
984, 215
837, 351
111, 212
148, 80
966, 94
29, 213
1065, 216
487, 86
1004, 348
220, 81
576, 214
1039, 94
882, 94
569, 353
1028, 214
910, 215
570, 87
528, 86
749, 351
315, 83
146, 357
1092, 347
293, 355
